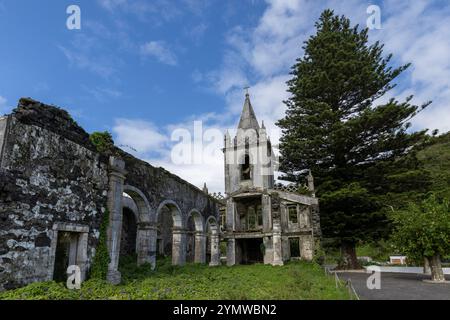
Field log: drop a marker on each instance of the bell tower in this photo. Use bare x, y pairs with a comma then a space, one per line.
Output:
248, 156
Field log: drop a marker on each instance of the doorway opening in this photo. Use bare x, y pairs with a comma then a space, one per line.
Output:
65, 254
129, 233
252, 250
294, 246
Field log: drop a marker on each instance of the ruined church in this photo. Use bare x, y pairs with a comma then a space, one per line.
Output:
57, 190
264, 222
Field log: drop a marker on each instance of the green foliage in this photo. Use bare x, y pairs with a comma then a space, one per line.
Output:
378, 251
436, 159
319, 253
103, 141
423, 230
302, 189
295, 280
99, 267
358, 152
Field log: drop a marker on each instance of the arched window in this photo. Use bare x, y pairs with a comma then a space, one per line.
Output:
246, 173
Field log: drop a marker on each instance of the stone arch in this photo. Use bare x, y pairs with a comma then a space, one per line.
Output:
171, 237
212, 222
145, 233
195, 237
141, 202
175, 211
212, 243
197, 218
129, 203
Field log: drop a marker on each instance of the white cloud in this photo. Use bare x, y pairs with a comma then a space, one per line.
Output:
112, 4
102, 94
261, 56
196, 33
419, 33
156, 11
154, 145
160, 51
84, 53
210, 173
141, 136
416, 32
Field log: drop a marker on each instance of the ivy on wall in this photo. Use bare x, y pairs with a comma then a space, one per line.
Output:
101, 259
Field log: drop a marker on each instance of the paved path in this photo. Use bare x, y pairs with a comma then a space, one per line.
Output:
398, 286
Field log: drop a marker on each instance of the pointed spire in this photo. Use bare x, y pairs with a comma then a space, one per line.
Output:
263, 126
248, 117
205, 188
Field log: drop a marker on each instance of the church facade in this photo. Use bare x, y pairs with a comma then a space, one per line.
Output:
264, 222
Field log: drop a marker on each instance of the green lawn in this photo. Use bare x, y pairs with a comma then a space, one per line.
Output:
296, 280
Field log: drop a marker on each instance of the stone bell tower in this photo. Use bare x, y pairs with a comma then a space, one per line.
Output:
249, 156
264, 222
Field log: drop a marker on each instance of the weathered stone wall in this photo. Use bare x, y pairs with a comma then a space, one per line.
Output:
49, 175
52, 179
159, 185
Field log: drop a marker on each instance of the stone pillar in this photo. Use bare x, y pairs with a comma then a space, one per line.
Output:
115, 193
231, 252
266, 212
230, 216
200, 247
306, 247
178, 247
215, 250
285, 247
268, 254
277, 247
146, 244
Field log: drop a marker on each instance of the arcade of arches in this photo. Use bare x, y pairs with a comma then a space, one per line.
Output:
136, 228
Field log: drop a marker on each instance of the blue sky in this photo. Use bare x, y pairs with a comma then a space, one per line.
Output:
141, 69
100, 72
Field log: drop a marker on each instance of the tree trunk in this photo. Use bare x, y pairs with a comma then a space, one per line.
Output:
349, 259
437, 274
426, 266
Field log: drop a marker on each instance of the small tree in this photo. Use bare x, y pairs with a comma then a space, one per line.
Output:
422, 231
103, 141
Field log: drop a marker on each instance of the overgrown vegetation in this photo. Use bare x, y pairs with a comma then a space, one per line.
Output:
101, 258
296, 280
103, 141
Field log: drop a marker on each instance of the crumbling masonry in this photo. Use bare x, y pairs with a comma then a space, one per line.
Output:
264, 222
55, 189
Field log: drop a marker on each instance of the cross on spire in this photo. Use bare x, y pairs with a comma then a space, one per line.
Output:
246, 90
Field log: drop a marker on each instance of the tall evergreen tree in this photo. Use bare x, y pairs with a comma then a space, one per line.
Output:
358, 152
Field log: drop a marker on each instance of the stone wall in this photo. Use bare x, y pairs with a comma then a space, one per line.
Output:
159, 185
49, 175
53, 180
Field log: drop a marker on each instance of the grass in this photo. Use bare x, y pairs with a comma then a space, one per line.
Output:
294, 281
379, 251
